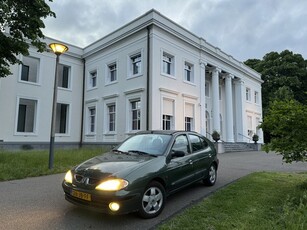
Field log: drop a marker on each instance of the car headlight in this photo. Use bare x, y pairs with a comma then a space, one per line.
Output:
112, 185
68, 177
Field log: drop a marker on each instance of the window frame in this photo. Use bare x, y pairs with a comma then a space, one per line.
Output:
91, 77
189, 68
91, 125
59, 122
61, 76
138, 111
26, 64
248, 94
188, 123
256, 97
110, 72
167, 121
111, 118
132, 63
33, 120
168, 60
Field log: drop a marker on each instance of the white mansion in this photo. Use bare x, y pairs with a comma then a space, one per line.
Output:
149, 74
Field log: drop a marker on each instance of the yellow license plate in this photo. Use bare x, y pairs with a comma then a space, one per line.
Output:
81, 195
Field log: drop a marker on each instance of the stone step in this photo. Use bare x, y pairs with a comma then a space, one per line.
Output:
240, 147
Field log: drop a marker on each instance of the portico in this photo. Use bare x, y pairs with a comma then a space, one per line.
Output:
229, 105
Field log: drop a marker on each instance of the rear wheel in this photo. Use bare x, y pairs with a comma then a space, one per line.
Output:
153, 199
211, 176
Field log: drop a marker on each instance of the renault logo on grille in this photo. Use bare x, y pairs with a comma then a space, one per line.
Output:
82, 179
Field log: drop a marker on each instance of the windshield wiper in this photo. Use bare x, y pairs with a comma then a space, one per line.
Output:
142, 153
119, 151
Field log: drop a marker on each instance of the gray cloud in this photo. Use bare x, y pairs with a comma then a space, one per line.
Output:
242, 28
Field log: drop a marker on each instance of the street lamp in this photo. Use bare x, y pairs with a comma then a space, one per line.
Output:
58, 49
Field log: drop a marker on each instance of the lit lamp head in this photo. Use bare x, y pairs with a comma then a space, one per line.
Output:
58, 49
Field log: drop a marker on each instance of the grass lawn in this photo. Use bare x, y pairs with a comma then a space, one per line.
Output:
258, 201
31, 163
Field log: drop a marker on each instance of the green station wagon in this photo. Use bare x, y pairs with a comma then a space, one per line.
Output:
140, 173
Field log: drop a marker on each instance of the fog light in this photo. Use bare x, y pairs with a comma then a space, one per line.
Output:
114, 206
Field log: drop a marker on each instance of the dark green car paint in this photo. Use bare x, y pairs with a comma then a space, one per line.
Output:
173, 173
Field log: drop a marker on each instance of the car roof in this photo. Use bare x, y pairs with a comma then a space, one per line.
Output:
166, 132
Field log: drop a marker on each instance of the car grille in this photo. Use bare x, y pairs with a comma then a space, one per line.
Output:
81, 179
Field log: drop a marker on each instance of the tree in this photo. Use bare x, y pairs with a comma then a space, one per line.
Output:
20, 23
287, 122
284, 76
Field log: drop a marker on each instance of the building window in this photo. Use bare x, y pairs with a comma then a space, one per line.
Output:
26, 115
208, 129
29, 69
25, 72
256, 97
207, 89
93, 79
248, 94
188, 123
91, 120
168, 64
61, 125
112, 117
189, 115
136, 64
63, 76
167, 122
249, 126
168, 114
135, 115
188, 72
112, 75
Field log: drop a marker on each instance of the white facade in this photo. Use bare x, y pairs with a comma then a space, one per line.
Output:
149, 74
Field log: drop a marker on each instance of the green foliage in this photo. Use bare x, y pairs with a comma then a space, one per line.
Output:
255, 138
215, 136
287, 123
284, 75
257, 201
23, 18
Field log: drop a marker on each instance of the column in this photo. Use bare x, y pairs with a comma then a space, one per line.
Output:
239, 110
215, 100
202, 97
229, 108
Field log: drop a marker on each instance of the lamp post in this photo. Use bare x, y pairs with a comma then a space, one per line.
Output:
58, 49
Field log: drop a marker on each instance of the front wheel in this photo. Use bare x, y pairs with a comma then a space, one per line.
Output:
211, 176
152, 202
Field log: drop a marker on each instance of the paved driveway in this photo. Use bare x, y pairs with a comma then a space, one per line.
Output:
38, 203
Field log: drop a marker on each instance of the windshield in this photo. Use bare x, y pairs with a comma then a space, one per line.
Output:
151, 144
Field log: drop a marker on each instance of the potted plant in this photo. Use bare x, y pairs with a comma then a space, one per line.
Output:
215, 136
255, 138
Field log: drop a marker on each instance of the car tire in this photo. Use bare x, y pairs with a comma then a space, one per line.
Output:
152, 200
211, 176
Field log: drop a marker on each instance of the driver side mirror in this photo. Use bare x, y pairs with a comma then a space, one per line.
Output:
178, 154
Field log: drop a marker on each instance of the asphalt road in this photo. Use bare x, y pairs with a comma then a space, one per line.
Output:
38, 203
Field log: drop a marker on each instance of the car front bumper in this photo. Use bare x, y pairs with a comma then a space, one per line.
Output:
99, 201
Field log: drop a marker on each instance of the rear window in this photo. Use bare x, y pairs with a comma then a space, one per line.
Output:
197, 143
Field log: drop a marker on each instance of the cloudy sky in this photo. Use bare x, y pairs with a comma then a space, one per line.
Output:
242, 28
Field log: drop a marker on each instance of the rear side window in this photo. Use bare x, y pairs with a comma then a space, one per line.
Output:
197, 143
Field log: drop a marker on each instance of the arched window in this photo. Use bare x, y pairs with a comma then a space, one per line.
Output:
208, 128
221, 125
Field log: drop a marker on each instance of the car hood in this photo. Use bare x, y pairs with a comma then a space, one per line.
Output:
111, 164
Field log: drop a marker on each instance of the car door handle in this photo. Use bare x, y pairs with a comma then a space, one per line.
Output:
190, 162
